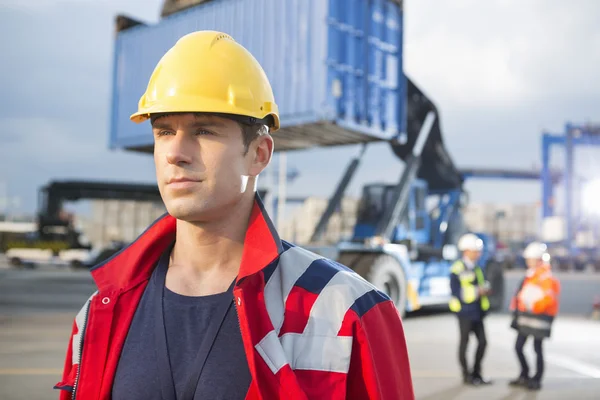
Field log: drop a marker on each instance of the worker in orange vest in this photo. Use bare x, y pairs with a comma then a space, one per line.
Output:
534, 305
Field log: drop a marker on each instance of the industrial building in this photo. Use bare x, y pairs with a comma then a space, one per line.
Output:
300, 223
509, 223
118, 220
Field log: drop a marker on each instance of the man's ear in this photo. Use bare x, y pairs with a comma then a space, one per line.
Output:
261, 152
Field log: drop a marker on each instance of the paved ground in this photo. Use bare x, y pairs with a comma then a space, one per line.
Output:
37, 307
572, 368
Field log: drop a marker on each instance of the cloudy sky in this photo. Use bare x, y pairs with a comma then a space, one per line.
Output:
500, 71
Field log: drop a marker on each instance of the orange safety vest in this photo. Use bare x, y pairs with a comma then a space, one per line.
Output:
536, 302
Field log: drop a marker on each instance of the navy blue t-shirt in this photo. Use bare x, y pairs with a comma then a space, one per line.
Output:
225, 375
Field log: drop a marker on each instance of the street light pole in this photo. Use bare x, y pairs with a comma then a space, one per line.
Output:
281, 200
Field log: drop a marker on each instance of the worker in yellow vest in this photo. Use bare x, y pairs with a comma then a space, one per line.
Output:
470, 303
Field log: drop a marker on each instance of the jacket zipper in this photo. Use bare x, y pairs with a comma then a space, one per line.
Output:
237, 313
85, 320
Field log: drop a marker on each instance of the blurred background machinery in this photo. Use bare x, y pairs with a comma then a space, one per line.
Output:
336, 68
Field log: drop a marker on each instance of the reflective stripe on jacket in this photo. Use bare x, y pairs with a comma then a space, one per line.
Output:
312, 328
470, 281
535, 304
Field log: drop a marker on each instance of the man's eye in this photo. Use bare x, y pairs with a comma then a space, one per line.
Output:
164, 133
203, 132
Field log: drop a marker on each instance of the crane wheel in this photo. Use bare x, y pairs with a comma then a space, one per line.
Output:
382, 271
387, 275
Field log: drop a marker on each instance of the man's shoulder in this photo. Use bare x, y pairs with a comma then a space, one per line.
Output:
457, 266
333, 283
312, 266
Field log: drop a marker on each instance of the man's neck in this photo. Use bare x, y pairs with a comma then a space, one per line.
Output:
468, 263
539, 270
206, 257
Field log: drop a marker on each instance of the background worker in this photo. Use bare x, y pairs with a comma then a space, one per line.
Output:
469, 301
534, 305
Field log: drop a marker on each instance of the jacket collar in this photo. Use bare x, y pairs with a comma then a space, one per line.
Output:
135, 263
470, 265
540, 271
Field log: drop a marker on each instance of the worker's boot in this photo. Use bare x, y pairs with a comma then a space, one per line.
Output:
478, 380
521, 381
534, 384
467, 378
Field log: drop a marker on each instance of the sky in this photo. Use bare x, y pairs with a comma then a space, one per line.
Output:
500, 72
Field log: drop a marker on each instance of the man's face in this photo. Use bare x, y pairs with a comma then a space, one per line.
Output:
532, 262
202, 167
473, 255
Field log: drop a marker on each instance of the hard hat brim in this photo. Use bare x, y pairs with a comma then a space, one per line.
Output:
185, 104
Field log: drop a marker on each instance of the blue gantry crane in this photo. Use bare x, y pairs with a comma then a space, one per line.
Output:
567, 252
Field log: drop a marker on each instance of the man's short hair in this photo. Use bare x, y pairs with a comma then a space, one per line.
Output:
251, 133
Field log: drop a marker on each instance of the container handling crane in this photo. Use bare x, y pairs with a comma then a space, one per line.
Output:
398, 244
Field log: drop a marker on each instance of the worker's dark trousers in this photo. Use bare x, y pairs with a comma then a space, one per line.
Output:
537, 345
466, 327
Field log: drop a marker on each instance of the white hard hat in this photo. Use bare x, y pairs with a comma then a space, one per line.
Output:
537, 251
470, 241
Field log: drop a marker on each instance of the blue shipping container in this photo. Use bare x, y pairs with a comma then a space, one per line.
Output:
335, 66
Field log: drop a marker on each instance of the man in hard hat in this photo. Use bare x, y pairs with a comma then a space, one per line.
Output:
535, 305
209, 302
470, 303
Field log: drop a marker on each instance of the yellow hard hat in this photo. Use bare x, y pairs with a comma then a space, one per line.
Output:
208, 71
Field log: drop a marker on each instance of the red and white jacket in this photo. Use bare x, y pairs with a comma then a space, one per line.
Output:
312, 329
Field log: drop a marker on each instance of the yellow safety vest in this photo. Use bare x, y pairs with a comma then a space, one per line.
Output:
469, 292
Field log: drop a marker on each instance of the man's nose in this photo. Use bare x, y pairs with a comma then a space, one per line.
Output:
180, 149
